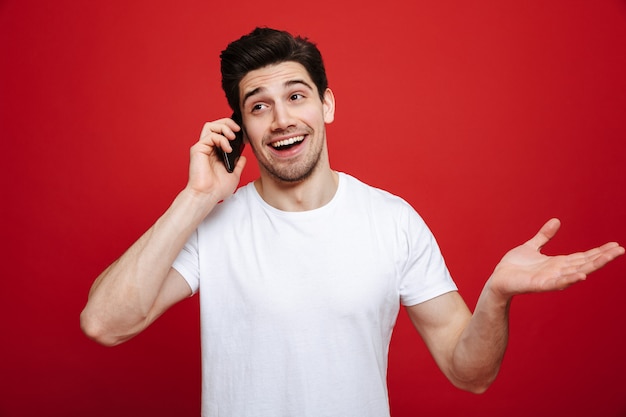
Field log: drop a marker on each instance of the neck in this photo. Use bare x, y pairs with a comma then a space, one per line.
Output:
308, 194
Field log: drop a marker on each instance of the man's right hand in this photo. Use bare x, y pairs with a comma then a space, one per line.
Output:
207, 174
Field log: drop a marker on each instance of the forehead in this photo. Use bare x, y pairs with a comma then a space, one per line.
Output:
273, 77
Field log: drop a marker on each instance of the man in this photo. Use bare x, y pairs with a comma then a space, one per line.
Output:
302, 272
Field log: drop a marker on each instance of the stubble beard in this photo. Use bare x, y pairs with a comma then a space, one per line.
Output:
292, 173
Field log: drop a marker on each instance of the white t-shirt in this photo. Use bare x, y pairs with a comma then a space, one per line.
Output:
297, 308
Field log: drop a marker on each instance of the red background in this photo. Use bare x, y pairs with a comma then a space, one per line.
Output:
488, 116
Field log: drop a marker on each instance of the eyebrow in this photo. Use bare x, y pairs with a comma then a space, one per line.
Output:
288, 83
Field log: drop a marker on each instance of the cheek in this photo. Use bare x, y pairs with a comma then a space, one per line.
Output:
313, 116
254, 134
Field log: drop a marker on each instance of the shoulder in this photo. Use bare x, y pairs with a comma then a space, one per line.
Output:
387, 211
373, 197
235, 206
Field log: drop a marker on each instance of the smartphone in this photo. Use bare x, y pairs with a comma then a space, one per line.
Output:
230, 158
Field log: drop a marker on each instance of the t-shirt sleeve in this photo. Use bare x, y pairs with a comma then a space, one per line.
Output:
425, 275
187, 262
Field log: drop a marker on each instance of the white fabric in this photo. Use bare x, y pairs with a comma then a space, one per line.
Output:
297, 308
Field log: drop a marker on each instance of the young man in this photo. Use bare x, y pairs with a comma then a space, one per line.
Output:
302, 272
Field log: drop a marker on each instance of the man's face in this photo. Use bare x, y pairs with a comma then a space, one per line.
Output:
285, 119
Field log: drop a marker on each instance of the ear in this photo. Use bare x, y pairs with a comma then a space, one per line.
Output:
329, 106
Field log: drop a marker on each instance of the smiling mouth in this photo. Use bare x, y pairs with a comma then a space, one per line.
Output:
287, 143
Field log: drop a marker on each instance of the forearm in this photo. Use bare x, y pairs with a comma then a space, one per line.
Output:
123, 299
479, 352
469, 348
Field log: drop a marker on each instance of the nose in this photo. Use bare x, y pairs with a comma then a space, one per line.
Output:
282, 117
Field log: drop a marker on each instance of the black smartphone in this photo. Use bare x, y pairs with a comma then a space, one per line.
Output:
230, 158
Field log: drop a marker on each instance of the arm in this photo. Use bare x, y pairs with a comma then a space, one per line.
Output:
137, 288
469, 348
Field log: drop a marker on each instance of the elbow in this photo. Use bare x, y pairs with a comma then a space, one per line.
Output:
95, 330
474, 387
478, 388
478, 384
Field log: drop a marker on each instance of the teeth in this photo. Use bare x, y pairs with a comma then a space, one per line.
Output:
287, 142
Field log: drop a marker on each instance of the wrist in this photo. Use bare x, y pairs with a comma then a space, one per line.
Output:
195, 205
496, 294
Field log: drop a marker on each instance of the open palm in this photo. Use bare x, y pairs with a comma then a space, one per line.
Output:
525, 269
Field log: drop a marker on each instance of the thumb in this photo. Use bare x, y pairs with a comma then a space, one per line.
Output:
547, 232
241, 163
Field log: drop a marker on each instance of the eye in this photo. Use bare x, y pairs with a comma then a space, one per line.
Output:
296, 97
258, 107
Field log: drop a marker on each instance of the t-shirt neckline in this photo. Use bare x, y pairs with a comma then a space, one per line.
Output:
302, 214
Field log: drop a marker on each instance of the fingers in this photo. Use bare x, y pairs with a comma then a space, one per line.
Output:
219, 133
239, 166
225, 127
567, 281
599, 257
207, 173
547, 232
591, 260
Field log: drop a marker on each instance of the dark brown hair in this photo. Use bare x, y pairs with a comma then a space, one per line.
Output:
263, 47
